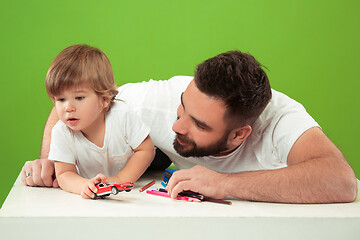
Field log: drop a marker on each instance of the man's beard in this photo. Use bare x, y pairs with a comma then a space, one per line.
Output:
190, 149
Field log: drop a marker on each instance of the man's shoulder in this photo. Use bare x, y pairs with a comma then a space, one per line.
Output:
118, 106
280, 125
158, 94
279, 105
282, 114
181, 78
176, 81
280, 99
120, 111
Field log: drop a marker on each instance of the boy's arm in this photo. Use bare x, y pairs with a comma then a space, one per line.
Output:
68, 178
70, 181
137, 164
42, 169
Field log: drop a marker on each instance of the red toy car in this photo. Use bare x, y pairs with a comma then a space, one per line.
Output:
104, 189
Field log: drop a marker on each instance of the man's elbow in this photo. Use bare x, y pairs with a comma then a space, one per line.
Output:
348, 189
352, 191
345, 183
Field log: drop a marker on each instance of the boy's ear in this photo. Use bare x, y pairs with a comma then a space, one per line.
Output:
106, 102
238, 135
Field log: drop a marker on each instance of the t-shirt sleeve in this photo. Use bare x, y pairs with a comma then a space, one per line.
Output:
135, 129
61, 148
289, 127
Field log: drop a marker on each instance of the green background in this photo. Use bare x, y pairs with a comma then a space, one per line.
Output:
311, 49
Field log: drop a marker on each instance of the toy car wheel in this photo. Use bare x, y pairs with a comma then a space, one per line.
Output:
128, 190
114, 190
95, 196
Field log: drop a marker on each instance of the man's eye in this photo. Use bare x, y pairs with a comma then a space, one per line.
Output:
79, 98
200, 126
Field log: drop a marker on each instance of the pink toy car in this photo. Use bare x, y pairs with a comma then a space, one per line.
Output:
104, 189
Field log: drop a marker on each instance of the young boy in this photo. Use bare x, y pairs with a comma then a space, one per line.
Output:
97, 139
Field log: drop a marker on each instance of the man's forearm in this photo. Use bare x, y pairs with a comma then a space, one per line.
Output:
315, 181
50, 123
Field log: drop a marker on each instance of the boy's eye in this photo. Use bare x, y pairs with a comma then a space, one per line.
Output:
79, 98
60, 99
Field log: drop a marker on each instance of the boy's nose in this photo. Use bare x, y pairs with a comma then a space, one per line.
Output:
70, 107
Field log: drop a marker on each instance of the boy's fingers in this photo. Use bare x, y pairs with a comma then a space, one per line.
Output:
100, 178
84, 195
92, 187
90, 193
55, 183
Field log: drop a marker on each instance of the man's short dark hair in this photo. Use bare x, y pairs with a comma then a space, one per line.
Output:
239, 81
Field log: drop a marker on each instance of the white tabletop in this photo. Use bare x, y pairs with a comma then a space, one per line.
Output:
46, 210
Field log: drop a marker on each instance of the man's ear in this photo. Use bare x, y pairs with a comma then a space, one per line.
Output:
238, 135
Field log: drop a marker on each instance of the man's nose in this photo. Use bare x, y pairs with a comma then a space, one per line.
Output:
181, 126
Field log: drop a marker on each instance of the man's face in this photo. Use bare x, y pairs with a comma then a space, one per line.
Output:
200, 128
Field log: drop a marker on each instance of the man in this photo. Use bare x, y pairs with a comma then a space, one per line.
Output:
233, 136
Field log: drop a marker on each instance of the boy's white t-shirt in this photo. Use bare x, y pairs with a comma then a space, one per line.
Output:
124, 131
282, 122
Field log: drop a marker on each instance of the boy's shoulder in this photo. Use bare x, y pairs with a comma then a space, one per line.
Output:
60, 126
60, 130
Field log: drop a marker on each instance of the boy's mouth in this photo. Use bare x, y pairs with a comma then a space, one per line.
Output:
72, 120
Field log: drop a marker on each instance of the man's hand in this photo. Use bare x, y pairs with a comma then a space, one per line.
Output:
197, 179
39, 173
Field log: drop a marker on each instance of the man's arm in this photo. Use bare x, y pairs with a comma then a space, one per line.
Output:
317, 172
50, 123
42, 169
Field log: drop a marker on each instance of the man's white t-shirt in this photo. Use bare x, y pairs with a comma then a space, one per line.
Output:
282, 122
124, 131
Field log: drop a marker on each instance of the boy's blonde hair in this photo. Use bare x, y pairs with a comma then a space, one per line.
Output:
79, 64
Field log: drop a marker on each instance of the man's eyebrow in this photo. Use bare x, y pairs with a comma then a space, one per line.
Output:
200, 123
181, 99
197, 121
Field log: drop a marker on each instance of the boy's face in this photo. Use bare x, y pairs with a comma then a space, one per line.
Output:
80, 108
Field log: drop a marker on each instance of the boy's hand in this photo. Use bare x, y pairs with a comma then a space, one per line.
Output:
89, 188
113, 179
